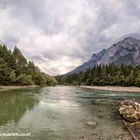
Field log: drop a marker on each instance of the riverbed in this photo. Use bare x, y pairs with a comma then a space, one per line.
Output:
62, 113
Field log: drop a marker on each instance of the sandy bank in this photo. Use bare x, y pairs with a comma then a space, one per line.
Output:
3, 88
115, 88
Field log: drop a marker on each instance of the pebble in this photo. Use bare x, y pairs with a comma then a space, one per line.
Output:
91, 123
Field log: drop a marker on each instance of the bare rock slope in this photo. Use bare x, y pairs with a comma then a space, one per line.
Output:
126, 52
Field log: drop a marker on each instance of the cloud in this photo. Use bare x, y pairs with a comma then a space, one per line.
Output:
60, 35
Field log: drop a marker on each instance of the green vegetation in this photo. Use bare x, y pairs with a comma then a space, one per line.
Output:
124, 75
13, 106
16, 70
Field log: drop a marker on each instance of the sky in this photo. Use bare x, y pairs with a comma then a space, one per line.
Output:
59, 35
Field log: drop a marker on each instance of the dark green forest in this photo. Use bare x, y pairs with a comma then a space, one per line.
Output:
113, 75
15, 69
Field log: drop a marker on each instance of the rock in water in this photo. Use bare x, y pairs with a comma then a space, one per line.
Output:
91, 123
130, 110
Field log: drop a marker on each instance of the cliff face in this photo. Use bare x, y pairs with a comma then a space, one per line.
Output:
126, 52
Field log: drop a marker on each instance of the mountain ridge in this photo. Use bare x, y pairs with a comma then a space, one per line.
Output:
126, 51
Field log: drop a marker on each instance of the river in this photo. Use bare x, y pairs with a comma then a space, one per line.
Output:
62, 113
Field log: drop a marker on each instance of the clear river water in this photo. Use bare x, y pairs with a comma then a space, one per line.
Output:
62, 113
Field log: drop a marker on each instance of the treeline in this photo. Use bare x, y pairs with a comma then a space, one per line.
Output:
124, 75
16, 70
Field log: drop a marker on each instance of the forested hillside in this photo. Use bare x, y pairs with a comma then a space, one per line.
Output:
124, 75
16, 70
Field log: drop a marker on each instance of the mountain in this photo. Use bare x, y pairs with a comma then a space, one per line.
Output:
126, 51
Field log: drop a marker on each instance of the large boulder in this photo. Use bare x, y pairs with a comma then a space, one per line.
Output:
130, 110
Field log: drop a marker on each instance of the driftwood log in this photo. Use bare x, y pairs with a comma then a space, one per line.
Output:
130, 131
130, 112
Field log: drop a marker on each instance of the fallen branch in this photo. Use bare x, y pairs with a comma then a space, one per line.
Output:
130, 131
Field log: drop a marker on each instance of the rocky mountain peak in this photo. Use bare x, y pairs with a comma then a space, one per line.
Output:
126, 51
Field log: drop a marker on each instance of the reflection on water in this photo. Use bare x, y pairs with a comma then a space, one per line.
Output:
13, 105
62, 113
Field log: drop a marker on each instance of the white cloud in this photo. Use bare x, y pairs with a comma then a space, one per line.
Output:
60, 35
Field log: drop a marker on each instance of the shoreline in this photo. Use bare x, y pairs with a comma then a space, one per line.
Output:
106, 88
114, 88
4, 88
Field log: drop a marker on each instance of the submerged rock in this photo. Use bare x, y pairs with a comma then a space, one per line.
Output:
130, 110
91, 124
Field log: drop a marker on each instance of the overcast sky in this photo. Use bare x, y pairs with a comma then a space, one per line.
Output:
59, 35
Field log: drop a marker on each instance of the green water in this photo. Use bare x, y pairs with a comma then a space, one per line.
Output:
62, 113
